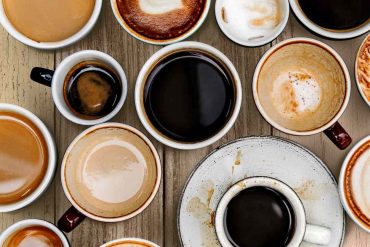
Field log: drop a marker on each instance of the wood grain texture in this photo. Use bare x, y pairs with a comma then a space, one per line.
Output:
158, 222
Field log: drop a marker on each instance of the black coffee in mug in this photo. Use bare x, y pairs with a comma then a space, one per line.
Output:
92, 89
259, 217
189, 96
337, 14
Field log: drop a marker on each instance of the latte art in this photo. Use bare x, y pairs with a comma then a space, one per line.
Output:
157, 7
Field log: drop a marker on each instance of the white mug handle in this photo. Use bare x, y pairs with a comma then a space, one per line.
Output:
317, 235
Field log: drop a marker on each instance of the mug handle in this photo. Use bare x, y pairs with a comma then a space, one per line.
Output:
338, 136
317, 235
42, 76
70, 219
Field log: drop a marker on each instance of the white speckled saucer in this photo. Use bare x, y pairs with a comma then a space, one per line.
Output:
258, 156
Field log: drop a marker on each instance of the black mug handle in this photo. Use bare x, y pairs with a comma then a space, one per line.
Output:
42, 76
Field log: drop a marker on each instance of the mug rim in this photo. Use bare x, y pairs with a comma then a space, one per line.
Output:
57, 80
152, 41
341, 185
135, 240
347, 34
32, 222
154, 191
356, 73
84, 31
272, 183
322, 45
52, 156
147, 68
259, 42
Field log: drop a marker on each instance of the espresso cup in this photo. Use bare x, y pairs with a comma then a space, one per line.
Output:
179, 104
302, 87
300, 230
10, 28
19, 188
110, 172
37, 231
362, 74
128, 242
161, 23
59, 79
354, 183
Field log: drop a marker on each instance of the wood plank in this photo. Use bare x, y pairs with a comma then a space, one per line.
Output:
109, 37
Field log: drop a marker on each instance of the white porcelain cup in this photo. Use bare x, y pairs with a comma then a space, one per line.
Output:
140, 37
28, 223
4, 21
302, 231
347, 34
55, 79
147, 68
136, 241
50, 171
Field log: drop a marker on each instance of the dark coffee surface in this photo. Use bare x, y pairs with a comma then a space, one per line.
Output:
92, 90
337, 14
259, 217
189, 96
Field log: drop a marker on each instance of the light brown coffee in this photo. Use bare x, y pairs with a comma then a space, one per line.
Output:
48, 21
23, 157
363, 68
110, 172
301, 86
34, 236
357, 183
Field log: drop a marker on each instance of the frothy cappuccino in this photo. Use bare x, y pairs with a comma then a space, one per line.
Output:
110, 172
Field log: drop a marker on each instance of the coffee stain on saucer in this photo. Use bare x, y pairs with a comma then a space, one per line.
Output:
237, 161
309, 190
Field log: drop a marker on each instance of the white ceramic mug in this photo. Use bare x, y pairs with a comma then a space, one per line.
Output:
4, 21
302, 231
294, 4
137, 241
140, 37
332, 129
55, 79
147, 68
28, 223
50, 171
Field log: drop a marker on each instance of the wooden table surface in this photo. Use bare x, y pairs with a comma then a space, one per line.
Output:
158, 222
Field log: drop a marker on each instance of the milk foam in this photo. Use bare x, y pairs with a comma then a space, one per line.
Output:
360, 182
296, 93
156, 7
114, 171
12, 185
39, 241
250, 19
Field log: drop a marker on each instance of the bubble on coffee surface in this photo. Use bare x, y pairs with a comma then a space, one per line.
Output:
250, 19
296, 93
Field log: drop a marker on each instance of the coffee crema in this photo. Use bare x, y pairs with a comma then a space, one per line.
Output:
23, 157
363, 68
34, 236
48, 21
357, 183
92, 90
110, 172
163, 19
301, 86
128, 243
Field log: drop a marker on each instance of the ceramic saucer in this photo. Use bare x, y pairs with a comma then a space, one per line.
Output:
258, 156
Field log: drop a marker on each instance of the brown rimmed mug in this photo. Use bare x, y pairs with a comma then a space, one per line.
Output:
333, 130
76, 214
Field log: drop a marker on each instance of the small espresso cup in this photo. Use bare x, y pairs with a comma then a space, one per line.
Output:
302, 231
191, 47
20, 225
56, 80
51, 164
291, 88
98, 175
354, 182
137, 242
8, 26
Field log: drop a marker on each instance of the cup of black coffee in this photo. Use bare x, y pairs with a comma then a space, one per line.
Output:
188, 95
88, 87
262, 211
